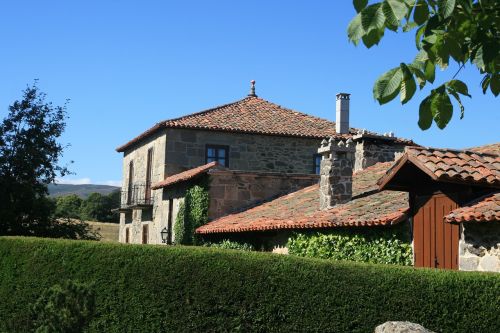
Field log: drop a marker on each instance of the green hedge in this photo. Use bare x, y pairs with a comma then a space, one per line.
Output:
142, 288
372, 246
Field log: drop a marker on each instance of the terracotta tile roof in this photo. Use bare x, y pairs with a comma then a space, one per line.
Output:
493, 148
300, 210
251, 115
185, 175
448, 165
485, 209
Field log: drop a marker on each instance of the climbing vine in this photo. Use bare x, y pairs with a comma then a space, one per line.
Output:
374, 246
193, 213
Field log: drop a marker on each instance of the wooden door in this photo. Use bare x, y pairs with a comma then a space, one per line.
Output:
435, 243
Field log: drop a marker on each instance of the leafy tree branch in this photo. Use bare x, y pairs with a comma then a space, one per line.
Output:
463, 31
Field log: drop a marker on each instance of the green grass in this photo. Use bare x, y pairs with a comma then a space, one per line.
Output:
189, 289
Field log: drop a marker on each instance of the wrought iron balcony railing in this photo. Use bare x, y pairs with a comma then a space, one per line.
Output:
137, 195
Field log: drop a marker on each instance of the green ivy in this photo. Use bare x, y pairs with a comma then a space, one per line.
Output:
230, 245
377, 246
193, 213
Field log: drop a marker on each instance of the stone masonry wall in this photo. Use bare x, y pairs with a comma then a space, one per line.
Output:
479, 247
136, 218
370, 152
232, 191
247, 152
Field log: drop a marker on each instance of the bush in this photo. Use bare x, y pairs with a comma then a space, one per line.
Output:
375, 246
65, 308
230, 245
141, 288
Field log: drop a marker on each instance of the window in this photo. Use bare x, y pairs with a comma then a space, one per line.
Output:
149, 176
317, 163
145, 229
218, 154
130, 182
127, 235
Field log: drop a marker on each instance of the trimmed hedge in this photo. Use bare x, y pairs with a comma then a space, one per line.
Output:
141, 288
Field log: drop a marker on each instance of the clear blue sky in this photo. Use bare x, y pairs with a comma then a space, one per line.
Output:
126, 65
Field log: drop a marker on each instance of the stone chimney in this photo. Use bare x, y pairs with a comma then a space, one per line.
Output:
342, 113
337, 165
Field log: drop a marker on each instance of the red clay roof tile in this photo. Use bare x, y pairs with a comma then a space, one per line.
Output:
485, 209
185, 175
252, 115
458, 166
300, 210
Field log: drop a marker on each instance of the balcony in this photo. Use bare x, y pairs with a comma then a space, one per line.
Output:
137, 195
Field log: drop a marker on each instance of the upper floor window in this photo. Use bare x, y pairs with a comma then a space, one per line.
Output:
149, 175
217, 153
317, 163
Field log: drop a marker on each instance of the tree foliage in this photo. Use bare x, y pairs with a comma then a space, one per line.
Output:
98, 207
29, 157
464, 31
29, 161
68, 206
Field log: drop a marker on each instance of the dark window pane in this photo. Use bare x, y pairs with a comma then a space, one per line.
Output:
222, 161
210, 159
211, 152
222, 153
317, 164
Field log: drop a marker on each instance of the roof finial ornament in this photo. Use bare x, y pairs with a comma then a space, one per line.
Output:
252, 89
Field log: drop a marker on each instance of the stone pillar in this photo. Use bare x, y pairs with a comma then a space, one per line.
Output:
337, 165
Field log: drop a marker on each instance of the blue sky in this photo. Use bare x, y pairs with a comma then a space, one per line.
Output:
126, 65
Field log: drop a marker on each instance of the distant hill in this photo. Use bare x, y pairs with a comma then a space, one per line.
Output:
83, 191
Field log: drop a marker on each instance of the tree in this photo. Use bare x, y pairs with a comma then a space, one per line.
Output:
29, 161
29, 156
467, 31
68, 206
98, 207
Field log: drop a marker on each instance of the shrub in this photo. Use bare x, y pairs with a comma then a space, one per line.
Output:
379, 247
141, 288
65, 308
230, 245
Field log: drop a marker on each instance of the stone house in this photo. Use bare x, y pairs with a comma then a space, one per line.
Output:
447, 200
262, 151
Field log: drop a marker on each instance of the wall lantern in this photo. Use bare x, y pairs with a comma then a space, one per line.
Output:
164, 235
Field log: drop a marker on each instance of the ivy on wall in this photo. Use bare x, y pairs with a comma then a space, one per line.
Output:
379, 246
193, 213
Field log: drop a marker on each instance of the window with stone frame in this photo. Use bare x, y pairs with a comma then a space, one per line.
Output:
217, 153
317, 164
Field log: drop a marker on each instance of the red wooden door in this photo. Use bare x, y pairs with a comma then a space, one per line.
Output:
435, 243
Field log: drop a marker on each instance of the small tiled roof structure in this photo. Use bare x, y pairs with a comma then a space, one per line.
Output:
185, 175
484, 209
449, 165
252, 115
300, 210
